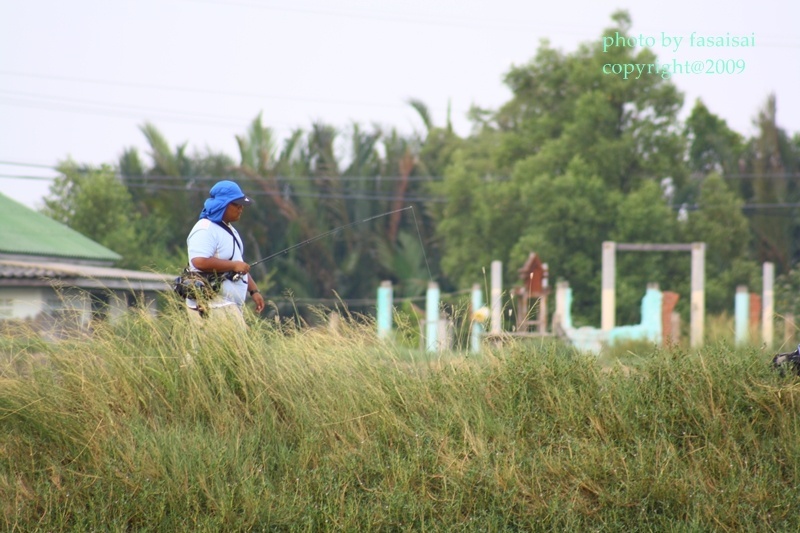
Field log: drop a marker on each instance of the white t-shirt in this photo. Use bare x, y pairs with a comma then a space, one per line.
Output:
207, 239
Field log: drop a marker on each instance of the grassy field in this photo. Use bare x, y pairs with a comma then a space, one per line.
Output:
147, 427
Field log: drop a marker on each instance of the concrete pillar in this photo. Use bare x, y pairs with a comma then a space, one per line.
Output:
385, 306
608, 291
768, 304
476, 331
496, 300
432, 317
741, 318
562, 319
698, 295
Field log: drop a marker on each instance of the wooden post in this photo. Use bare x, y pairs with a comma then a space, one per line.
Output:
669, 300
768, 304
608, 291
698, 295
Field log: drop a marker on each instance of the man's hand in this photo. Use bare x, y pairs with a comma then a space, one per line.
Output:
240, 267
259, 301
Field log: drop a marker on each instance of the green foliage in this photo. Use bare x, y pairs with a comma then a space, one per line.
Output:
574, 214
481, 218
713, 146
573, 158
563, 105
787, 293
148, 426
770, 158
94, 202
719, 223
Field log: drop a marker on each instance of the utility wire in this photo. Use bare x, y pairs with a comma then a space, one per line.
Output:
113, 105
236, 94
111, 113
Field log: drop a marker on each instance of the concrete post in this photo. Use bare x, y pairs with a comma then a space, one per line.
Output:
768, 304
742, 314
432, 317
608, 295
496, 300
385, 306
476, 331
698, 296
561, 318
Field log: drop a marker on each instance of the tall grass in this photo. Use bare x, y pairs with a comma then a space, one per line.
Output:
148, 425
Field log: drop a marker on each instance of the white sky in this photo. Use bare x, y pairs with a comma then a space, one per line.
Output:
78, 78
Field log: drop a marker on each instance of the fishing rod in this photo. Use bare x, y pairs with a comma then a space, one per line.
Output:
236, 277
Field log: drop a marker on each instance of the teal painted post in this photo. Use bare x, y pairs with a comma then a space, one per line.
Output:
477, 324
385, 305
432, 317
742, 314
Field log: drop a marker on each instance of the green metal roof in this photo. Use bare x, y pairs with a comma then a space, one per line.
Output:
24, 231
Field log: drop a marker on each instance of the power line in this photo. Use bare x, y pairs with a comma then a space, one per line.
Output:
293, 194
237, 94
22, 164
89, 111
42, 178
142, 182
444, 20
112, 105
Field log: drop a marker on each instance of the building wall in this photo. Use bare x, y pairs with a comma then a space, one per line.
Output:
22, 302
70, 305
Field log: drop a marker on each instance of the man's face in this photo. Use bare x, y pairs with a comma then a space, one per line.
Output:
233, 212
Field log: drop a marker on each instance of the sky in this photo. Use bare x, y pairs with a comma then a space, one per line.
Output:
78, 79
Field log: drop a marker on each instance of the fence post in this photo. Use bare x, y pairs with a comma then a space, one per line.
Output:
698, 296
496, 303
768, 304
385, 304
431, 316
742, 314
608, 302
477, 325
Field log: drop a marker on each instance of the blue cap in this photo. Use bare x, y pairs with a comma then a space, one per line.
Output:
221, 194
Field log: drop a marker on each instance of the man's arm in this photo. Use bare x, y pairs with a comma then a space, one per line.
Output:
215, 264
252, 289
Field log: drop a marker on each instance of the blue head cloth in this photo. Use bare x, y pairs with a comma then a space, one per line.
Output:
221, 194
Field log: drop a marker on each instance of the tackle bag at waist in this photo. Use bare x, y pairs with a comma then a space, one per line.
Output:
197, 285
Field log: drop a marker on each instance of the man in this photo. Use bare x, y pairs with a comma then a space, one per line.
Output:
214, 246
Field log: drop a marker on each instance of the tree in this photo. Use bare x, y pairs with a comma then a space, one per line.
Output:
94, 202
769, 156
481, 217
713, 146
573, 214
718, 221
170, 193
645, 216
565, 105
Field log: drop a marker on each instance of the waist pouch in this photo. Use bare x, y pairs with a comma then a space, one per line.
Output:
196, 285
